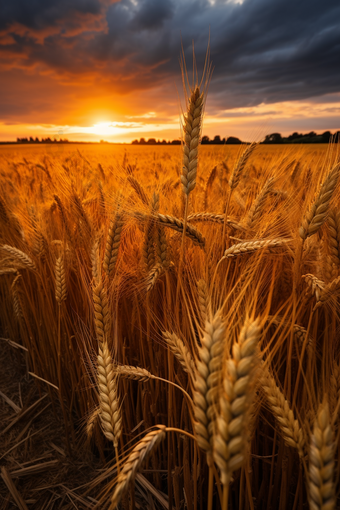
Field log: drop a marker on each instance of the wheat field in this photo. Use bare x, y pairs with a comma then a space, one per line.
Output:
185, 321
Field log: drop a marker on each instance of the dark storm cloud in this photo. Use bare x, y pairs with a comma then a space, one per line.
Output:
262, 50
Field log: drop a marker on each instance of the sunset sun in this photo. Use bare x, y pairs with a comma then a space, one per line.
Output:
105, 129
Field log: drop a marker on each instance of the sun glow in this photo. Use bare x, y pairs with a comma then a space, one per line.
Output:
105, 129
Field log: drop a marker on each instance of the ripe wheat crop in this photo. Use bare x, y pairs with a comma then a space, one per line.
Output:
191, 293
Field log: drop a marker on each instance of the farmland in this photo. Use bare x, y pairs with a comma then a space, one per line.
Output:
191, 341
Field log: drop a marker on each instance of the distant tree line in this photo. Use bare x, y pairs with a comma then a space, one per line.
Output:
311, 137
273, 138
205, 141
153, 141
43, 140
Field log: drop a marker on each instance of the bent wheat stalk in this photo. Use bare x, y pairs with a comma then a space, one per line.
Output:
290, 428
181, 352
317, 214
135, 461
153, 276
216, 218
252, 246
19, 256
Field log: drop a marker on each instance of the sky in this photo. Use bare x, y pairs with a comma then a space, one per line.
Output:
102, 69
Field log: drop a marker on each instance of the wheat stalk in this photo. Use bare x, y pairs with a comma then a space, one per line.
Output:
63, 215
181, 352
136, 185
17, 303
317, 213
327, 293
321, 463
316, 285
215, 218
174, 223
256, 209
134, 373
8, 270
208, 374
192, 124
19, 256
135, 461
162, 252
203, 300
290, 428
91, 421
101, 312
230, 439
153, 276
334, 236
252, 246
60, 281
209, 183
110, 416
112, 243
96, 272
240, 165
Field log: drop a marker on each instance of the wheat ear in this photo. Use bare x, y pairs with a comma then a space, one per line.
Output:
252, 246
256, 209
317, 214
176, 224
94, 255
153, 276
208, 374
101, 312
134, 373
135, 460
327, 293
8, 270
192, 124
216, 218
203, 299
17, 303
181, 352
334, 236
321, 463
289, 426
316, 285
240, 165
19, 256
60, 281
91, 421
109, 406
208, 186
112, 243
63, 215
136, 185
230, 439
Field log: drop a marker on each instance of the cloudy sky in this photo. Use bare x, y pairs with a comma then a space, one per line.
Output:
99, 69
